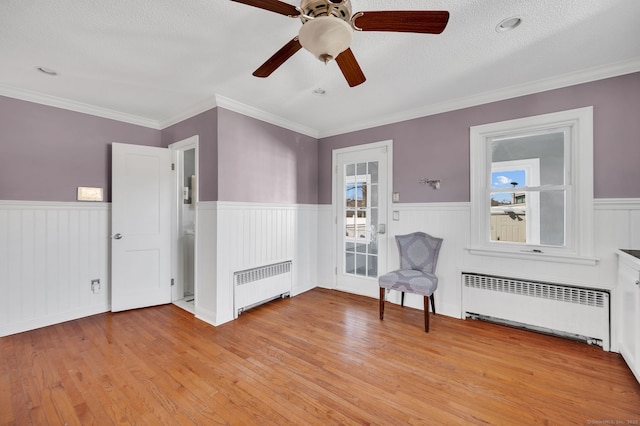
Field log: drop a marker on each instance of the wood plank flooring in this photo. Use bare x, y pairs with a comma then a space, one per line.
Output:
321, 358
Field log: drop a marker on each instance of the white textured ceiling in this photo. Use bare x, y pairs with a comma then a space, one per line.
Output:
158, 60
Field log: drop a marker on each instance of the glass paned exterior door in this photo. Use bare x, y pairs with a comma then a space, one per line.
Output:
361, 213
360, 185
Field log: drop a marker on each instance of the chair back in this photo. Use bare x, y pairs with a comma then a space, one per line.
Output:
418, 251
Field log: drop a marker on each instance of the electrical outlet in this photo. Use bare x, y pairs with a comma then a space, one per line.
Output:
95, 286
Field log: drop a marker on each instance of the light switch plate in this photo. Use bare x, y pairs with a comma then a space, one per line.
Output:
89, 194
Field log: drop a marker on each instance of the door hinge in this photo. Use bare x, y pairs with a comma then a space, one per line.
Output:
336, 271
173, 282
173, 166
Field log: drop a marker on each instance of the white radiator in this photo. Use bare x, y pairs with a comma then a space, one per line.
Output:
255, 286
574, 312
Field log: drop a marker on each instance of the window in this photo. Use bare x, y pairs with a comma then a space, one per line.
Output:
532, 187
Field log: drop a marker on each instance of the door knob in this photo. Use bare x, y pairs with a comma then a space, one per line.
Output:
117, 236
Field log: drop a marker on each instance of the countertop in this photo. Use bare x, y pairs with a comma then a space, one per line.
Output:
634, 253
631, 257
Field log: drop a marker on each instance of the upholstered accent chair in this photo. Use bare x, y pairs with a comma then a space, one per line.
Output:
418, 259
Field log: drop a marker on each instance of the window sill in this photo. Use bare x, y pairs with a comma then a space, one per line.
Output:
530, 255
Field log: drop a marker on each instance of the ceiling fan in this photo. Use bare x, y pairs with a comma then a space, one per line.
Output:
327, 31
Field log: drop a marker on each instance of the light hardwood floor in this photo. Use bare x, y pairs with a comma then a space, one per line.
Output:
323, 357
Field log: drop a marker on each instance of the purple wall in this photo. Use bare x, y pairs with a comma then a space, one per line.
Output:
47, 152
204, 125
263, 163
438, 146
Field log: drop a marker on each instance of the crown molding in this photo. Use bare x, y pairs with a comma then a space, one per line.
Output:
268, 117
195, 109
557, 82
56, 102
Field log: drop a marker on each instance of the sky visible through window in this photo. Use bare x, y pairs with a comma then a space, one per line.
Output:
354, 190
506, 179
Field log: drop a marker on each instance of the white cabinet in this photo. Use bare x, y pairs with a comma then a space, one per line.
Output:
629, 304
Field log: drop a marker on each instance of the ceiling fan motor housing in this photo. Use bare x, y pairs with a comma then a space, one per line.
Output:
326, 31
315, 8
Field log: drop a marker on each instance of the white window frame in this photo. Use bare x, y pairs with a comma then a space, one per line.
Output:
579, 194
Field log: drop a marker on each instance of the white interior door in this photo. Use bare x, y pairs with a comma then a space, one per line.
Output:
360, 199
140, 226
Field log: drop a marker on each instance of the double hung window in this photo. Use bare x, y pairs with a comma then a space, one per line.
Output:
532, 187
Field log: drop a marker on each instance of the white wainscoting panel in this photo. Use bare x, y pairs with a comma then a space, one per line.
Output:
305, 255
326, 248
616, 223
206, 261
449, 221
250, 235
49, 253
617, 226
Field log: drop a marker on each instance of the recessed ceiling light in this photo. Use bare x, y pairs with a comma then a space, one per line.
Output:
508, 24
47, 71
319, 91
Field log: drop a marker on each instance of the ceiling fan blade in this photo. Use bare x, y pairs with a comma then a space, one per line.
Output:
276, 6
350, 68
409, 21
278, 58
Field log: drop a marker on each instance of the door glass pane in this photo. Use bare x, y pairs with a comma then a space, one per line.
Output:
374, 195
361, 224
350, 223
372, 266
362, 190
361, 264
361, 218
373, 171
373, 247
350, 263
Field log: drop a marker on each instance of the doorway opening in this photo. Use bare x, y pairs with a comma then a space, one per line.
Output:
184, 288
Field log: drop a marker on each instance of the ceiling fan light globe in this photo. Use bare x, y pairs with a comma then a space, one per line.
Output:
326, 37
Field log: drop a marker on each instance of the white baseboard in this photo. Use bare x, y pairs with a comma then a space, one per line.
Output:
33, 323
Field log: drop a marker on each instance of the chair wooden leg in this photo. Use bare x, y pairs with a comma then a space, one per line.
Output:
402, 299
433, 304
426, 314
381, 303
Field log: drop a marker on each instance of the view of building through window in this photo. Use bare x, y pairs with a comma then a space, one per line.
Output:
509, 208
